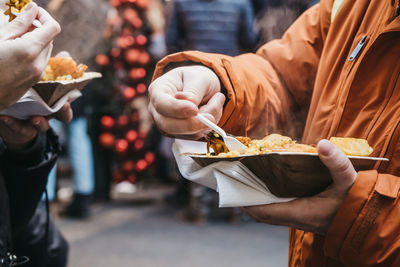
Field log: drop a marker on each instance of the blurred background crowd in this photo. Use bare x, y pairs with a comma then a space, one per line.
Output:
111, 151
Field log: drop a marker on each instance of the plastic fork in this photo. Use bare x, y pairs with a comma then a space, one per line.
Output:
231, 142
35, 22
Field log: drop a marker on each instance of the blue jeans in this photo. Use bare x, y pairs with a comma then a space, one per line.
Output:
80, 155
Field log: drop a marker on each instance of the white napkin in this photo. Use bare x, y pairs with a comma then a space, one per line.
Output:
32, 104
237, 185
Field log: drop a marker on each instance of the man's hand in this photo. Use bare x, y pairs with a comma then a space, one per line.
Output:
18, 134
177, 96
24, 52
313, 214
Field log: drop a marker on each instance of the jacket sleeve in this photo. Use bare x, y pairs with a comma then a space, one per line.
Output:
366, 229
25, 174
269, 91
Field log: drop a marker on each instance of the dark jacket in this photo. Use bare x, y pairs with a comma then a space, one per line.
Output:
220, 26
23, 178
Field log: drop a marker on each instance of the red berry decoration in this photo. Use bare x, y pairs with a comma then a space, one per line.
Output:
129, 93
149, 157
132, 178
102, 60
141, 40
141, 165
107, 122
121, 146
107, 140
138, 145
131, 136
141, 88
123, 121
128, 166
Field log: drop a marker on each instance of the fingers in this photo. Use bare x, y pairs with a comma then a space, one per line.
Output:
214, 107
21, 24
18, 128
40, 37
340, 167
40, 123
176, 126
65, 114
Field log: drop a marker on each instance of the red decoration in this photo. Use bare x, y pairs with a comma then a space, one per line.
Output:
149, 157
107, 122
141, 88
115, 52
129, 93
123, 121
132, 56
121, 146
131, 136
137, 73
118, 176
141, 165
144, 58
102, 60
107, 140
128, 166
132, 178
138, 145
141, 40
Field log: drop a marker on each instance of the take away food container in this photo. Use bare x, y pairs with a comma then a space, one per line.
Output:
289, 174
52, 91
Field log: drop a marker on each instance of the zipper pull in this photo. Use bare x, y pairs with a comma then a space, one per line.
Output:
358, 48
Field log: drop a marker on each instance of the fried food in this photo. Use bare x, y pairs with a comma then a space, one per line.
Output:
280, 143
15, 6
63, 68
352, 146
216, 142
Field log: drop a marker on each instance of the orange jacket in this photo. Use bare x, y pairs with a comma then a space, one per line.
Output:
335, 72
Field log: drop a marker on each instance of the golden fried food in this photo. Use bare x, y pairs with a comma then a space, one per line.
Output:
63, 68
15, 6
216, 142
280, 143
352, 146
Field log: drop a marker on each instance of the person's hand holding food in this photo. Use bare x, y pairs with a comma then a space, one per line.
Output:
178, 95
19, 134
24, 52
313, 214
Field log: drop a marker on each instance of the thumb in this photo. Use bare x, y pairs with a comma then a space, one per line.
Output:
339, 165
21, 24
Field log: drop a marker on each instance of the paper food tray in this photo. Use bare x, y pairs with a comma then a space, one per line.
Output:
289, 174
51, 91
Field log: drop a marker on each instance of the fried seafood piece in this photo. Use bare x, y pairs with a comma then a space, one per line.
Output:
15, 6
63, 68
294, 147
352, 146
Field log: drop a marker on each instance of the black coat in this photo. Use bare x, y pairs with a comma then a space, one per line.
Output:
23, 178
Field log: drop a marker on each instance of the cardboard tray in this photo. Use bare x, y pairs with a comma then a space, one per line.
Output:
289, 174
51, 91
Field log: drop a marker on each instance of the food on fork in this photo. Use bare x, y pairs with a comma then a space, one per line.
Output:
16, 6
63, 68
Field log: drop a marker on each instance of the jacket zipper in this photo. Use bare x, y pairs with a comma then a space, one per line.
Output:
358, 48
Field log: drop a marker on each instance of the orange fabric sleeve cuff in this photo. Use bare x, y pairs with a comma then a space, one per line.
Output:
348, 212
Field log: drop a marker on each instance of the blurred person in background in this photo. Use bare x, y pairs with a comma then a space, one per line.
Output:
88, 17
28, 149
216, 26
